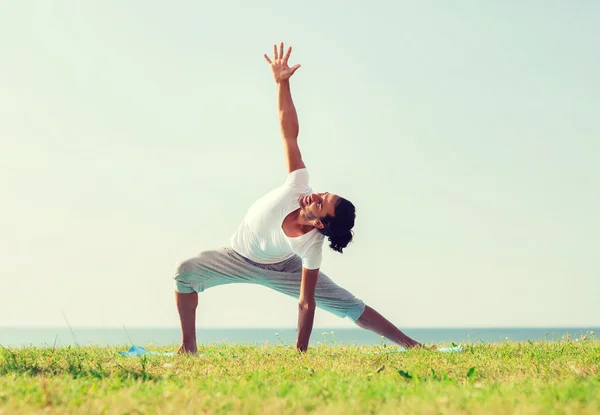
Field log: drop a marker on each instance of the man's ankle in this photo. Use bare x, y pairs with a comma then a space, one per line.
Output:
408, 342
189, 342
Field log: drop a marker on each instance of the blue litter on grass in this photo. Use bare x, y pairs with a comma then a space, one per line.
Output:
135, 351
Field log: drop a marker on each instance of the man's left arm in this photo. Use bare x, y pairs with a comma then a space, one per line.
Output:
306, 307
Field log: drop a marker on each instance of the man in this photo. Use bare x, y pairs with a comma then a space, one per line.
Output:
279, 243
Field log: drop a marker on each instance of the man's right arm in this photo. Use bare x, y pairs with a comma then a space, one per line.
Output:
288, 122
288, 118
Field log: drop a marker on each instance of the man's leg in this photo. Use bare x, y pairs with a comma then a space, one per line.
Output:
186, 305
372, 320
331, 297
209, 269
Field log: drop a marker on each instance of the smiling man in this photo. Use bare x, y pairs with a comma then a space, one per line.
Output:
279, 243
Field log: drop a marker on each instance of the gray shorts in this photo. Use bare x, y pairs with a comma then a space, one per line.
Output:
225, 266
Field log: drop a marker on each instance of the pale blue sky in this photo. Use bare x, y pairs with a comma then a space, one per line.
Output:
136, 134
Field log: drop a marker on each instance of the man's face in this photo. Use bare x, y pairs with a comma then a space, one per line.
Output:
318, 205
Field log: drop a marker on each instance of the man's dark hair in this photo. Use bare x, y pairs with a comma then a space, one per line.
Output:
338, 228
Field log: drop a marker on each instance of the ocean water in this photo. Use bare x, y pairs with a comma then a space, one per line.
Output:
112, 336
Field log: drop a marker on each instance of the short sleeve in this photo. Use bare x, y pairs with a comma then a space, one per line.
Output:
298, 179
314, 256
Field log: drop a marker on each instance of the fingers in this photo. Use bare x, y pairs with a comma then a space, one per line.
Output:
278, 54
287, 55
293, 68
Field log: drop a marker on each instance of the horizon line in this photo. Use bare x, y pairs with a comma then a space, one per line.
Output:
295, 328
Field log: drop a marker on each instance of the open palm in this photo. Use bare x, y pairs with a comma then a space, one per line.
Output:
279, 64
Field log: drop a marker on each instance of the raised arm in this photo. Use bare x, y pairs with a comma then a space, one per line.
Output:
288, 118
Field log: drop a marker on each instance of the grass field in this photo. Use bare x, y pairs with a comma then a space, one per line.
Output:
508, 378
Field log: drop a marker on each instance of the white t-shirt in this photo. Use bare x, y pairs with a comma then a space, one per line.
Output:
260, 236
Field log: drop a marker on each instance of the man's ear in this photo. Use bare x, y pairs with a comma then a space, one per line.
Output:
318, 224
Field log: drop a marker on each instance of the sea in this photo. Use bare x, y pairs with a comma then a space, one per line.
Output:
171, 336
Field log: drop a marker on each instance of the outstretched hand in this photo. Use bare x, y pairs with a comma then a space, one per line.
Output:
279, 64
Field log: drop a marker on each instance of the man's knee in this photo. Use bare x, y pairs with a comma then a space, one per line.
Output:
356, 311
186, 266
196, 274
196, 263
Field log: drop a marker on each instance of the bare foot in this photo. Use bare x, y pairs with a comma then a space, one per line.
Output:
410, 344
187, 349
422, 346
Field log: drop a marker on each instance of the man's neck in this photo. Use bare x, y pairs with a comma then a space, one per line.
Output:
302, 221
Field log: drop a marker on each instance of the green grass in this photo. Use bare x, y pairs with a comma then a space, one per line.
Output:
505, 378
